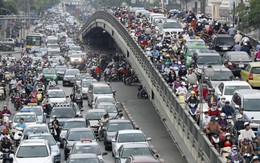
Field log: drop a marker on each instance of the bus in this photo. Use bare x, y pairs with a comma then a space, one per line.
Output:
35, 40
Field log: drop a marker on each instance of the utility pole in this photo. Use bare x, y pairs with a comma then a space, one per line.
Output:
203, 6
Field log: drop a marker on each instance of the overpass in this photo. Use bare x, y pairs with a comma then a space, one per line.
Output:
190, 139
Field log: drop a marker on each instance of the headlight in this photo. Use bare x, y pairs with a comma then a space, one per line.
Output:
80, 59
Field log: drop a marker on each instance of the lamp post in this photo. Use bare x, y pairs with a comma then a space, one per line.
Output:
206, 72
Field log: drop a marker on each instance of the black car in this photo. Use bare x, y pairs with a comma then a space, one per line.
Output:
83, 157
222, 42
69, 77
236, 60
111, 129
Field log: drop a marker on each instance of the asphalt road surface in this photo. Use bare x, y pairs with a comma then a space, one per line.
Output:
144, 114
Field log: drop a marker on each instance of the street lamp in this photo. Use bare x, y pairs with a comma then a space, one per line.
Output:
207, 71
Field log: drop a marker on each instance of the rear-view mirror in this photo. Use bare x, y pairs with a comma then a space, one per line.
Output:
104, 153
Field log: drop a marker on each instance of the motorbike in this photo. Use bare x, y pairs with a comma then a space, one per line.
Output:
2, 93
6, 118
215, 140
79, 102
247, 157
7, 155
18, 135
54, 132
193, 111
130, 80
98, 77
225, 152
142, 93
17, 103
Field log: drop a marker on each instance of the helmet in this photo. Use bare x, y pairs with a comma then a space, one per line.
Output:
54, 116
255, 158
227, 134
227, 101
183, 83
192, 92
222, 114
234, 147
239, 116
246, 123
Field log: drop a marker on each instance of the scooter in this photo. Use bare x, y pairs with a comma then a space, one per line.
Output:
142, 93
6, 118
225, 152
2, 93
7, 155
18, 135
215, 140
79, 102
193, 111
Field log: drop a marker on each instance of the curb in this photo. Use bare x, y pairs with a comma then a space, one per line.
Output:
136, 126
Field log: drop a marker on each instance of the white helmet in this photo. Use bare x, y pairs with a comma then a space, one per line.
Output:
222, 114
239, 116
183, 83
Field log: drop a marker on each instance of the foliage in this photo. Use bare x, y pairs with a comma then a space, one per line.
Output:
8, 7
254, 18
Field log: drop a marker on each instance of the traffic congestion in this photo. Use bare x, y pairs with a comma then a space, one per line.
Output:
212, 69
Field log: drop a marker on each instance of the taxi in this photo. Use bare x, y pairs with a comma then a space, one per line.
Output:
38, 110
251, 74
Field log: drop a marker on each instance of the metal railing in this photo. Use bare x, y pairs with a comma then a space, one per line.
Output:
203, 147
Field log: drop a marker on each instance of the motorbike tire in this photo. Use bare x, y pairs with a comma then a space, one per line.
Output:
6, 161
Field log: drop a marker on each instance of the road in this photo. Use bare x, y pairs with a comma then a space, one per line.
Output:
144, 114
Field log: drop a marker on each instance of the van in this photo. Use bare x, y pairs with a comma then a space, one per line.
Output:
98, 89
248, 99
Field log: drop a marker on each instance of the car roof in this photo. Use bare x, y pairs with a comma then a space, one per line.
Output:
80, 129
222, 35
129, 131
103, 96
207, 52
99, 84
134, 145
36, 125
96, 110
106, 103
84, 143
30, 142
249, 93
254, 64
119, 121
75, 120
236, 52
220, 68
83, 155
235, 83
25, 113
40, 134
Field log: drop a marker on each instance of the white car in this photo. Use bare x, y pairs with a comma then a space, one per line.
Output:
104, 98
29, 118
57, 96
35, 129
85, 84
225, 89
93, 116
127, 137
32, 151
75, 58
171, 26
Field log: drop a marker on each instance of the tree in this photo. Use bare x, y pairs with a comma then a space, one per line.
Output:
254, 12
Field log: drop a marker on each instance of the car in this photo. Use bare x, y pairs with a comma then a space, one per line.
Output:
53, 52
69, 76
92, 118
87, 147
57, 96
60, 69
29, 118
222, 42
31, 151
226, 89
172, 26
134, 149
80, 77
221, 73
38, 110
248, 99
54, 145
85, 83
77, 135
236, 61
75, 59
195, 41
71, 123
98, 89
33, 129
83, 158
251, 74
126, 137
189, 50
101, 98
112, 109
144, 159
202, 57
112, 127
50, 73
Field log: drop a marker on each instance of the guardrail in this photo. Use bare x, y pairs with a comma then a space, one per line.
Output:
190, 130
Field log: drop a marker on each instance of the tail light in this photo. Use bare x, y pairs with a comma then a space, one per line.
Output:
230, 64
251, 76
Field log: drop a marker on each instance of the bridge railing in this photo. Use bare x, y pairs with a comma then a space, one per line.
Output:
204, 149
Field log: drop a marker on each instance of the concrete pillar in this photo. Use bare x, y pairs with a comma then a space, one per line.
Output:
215, 9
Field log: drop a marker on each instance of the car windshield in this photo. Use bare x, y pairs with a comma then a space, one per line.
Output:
37, 111
27, 118
79, 135
255, 70
54, 53
87, 83
74, 124
168, 25
251, 104
103, 90
229, 90
106, 99
213, 60
87, 149
50, 138
60, 68
56, 94
239, 57
84, 160
32, 151
81, 76
108, 108
114, 127
94, 115
63, 113
38, 129
48, 71
144, 151
222, 76
72, 72
225, 41
131, 137
75, 48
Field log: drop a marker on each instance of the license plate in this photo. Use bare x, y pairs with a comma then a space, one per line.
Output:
225, 48
241, 65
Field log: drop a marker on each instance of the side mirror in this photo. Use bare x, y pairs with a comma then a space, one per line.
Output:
157, 155
58, 144
237, 106
148, 139
104, 153
67, 96
119, 111
76, 116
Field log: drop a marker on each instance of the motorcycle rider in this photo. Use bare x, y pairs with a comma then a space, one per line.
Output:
21, 123
52, 83
6, 110
213, 110
193, 103
103, 122
227, 109
227, 142
239, 124
235, 155
211, 96
222, 121
212, 126
245, 118
79, 99
247, 133
255, 159
4, 134
247, 149
56, 127
47, 104
120, 116
6, 145
13, 85
206, 119
182, 89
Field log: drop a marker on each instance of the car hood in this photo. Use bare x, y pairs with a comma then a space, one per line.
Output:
111, 134
33, 160
55, 149
69, 76
112, 115
93, 123
84, 89
50, 75
57, 100
215, 83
